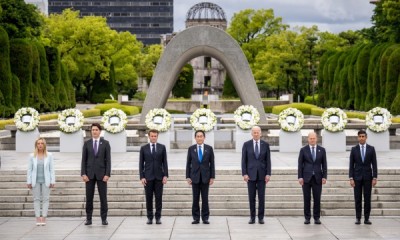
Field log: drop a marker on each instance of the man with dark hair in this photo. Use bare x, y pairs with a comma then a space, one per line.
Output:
96, 169
200, 173
153, 171
363, 174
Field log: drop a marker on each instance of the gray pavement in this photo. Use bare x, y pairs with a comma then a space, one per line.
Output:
181, 228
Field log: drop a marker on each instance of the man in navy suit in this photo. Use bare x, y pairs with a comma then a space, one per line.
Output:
256, 171
363, 174
96, 169
200, 173
153, 171
312, 174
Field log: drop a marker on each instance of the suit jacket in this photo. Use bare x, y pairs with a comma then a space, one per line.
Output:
153, 166
360, 170
49, 175
252, 166
96, 165
206, 168
307, 166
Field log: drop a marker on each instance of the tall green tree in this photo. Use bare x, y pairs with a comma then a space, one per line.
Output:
184, 84
5, 74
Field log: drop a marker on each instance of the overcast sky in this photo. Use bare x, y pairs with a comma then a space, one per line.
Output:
328, 15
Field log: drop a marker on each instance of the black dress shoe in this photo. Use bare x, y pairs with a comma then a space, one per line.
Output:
252, 221
307, 221
317, 221
195, 222
149, 221
206, 222
88, 222
261, 221
367, 222
104, 222
358, 222
158, 221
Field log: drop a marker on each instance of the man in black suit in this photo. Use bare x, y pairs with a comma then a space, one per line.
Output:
312, 174
200, 173
256, 171
96, 168
363, 174
153, 171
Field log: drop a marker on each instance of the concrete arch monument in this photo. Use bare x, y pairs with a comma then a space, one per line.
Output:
202, 41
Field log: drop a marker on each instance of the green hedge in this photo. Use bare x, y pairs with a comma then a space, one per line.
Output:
110, 101
129, 110
309, 99
268, 109
303, 107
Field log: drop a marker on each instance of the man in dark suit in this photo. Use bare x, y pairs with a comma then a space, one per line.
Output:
363, 174
153, 171
256, 171
96, 168
312, 174
200, 173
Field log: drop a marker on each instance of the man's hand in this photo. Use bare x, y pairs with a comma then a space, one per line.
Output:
144, 182
29, 186
352, 183
211, 181
246, 178
189, 181
85, 178
164, 180
105, 178
374, 182
301, 181
323, 180
267, 179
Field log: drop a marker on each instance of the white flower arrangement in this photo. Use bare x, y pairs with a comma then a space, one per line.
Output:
26, 119
70, 120
246, 116
158, 119
114, 120
291, 120
378, 119
203, 119
334, 119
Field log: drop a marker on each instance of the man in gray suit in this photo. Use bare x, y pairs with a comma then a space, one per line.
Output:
153, 171
96, 169
256, 172
200, 173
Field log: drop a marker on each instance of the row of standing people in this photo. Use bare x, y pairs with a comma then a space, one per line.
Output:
200, 174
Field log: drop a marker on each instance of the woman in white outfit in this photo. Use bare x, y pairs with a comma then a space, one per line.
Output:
40, 178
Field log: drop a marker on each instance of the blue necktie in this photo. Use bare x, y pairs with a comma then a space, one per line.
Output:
362, 153
95, 147
313, 153
257, 151
200, 155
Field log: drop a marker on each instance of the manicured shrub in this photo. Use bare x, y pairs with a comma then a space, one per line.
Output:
5, 72
129, 110
184, 84
360, 84
48, 93
392, 84
303, 107
53, 58
110, 101
383, 74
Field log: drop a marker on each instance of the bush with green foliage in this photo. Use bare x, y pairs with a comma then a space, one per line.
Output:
184, 84
309, 99
140, 96
229, 90
110, 101
53, 59
129, 110
303, 107
6, 106
393, 86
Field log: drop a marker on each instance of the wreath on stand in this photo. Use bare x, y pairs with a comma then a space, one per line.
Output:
26, 119
378, 119
291, 120
159, 119
334, 119
114, 120
246, 116
70, 120
203, 119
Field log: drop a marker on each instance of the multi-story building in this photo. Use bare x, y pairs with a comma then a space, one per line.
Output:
147, 19
42, 5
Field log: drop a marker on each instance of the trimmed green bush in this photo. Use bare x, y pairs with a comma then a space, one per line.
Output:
37, 100
53, 59
3, 123
303, 107
103, 88
110, 101
309, 99
229, 90
5, 73
140, 96
268, 109
184, 84
48, 93
392, 84
129, 110
383, 74
361, 80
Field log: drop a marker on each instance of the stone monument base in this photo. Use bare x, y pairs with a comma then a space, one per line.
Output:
25, 141
334, 141
118, 141
381, 140
289, 141
71, 142
241, 136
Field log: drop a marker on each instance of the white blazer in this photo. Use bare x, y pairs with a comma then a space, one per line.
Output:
49, 175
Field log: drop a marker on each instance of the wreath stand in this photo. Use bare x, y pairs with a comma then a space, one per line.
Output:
241, 136
71, 142
334, 141
118, 141
379, 140
289, 141
165, 139
25, 141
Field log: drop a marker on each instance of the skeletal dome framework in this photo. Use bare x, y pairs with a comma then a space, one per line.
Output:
206, 10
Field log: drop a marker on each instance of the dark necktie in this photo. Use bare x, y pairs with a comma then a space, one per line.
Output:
95, 147
257, 151
200, 154
313, 153
153, 149
362, 153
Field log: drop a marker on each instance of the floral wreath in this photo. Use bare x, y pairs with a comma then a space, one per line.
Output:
378, 119
70, 120
114, 120
203, 119
291, 120
334, 119
26, 119
158, 119
246, 116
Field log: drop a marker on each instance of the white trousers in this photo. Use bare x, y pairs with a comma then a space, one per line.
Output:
41, 195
